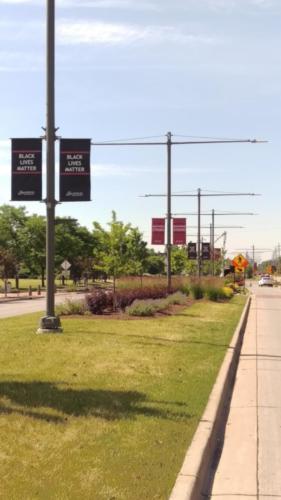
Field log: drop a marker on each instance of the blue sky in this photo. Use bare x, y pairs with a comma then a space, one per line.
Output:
139, 68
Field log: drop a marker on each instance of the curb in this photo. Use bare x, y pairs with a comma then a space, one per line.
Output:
197, 472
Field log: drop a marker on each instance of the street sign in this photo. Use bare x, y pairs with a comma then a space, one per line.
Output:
239, 269
191, 251
66, 274
240, 261
158, 231
66, 265
26, 169
179, 231
206, 251
75, 175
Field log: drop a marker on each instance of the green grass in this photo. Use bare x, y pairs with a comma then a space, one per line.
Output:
106, 410
25, 283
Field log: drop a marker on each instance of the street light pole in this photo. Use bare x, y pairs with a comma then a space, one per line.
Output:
50, 323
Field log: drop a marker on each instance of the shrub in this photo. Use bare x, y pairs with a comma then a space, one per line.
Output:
98, 301
212, 293
71, 306
141, 308
218, 293
184, 289
176, 298
197, 291
228, 292
126, 296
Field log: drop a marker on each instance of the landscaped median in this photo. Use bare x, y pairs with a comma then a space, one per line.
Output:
107, 410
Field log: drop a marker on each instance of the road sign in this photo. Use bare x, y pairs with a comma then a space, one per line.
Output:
66, 265
66, 274
239, 269
240, 261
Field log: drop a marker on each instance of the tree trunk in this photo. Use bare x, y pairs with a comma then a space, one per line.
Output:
114, 293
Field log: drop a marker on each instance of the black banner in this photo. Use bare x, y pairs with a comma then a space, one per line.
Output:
191, 251
75, 175
206, 251
26, 169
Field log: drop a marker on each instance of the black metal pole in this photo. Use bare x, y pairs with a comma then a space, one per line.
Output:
50, 136
50, 323
169, 211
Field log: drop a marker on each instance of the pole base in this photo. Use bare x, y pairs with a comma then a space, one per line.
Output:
50, 324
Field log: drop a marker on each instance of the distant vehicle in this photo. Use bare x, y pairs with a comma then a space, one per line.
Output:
266, 281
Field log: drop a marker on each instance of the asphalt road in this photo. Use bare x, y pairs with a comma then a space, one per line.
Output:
250, 464
19, 307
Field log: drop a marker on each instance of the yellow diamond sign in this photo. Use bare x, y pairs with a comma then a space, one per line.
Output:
240, 261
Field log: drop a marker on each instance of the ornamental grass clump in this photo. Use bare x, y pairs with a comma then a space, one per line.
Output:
217, 294
212, 293
176, 298
142, 308
197, 291
71, 307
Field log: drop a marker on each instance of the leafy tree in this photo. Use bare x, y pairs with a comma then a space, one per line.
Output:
12, 220
155, 263
111, 251
178, 260
137, 252
74, 243
33, 240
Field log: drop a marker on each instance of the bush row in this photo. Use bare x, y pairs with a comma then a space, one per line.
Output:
156, 297
100, 301
150, 307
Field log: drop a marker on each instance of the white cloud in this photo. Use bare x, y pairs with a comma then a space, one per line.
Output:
86, 32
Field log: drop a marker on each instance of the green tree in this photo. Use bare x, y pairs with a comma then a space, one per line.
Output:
111, 251
12, 221
33, 240
155, 263
73, 243
178, 260
137, 252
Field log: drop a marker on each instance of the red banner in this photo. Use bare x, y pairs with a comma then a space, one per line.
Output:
158, 232
179, 231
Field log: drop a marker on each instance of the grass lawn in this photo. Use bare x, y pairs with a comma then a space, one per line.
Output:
106, 410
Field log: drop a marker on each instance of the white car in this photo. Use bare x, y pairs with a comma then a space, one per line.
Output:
266, 281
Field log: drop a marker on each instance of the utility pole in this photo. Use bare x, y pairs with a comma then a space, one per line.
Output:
199, 233
212, 241
50, 323
212, 228
169, 215
168, 143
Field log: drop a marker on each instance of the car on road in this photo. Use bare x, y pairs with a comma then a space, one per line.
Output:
266, 281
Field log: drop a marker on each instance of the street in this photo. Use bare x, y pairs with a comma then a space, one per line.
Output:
19, 307
250, 464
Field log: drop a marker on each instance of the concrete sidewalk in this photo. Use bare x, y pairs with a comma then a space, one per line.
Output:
250, 463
